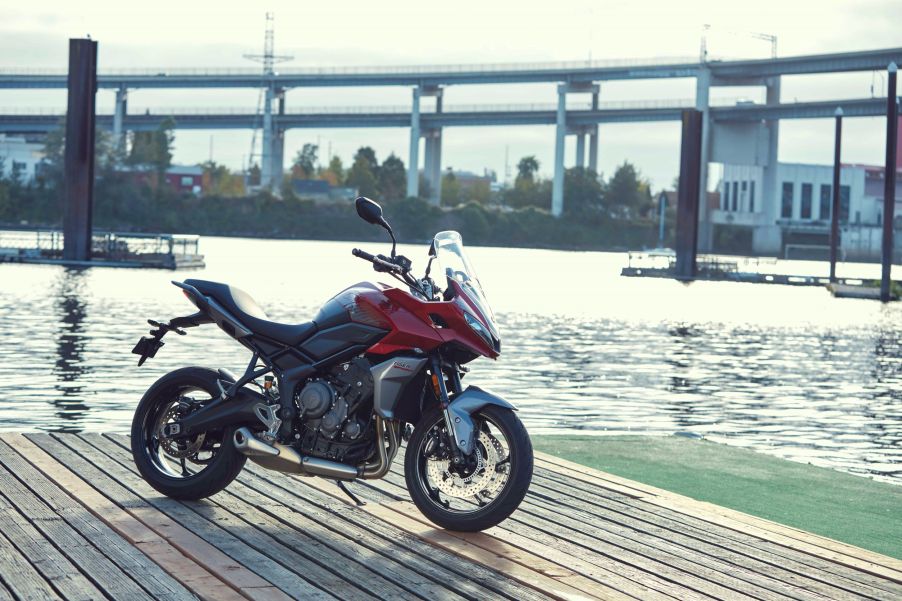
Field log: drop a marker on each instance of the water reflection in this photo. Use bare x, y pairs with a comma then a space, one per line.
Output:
785, 371
71, 345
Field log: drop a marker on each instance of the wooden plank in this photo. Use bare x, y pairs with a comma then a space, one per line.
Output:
44, 557
384, 576
468, 579
608, 578
549, 580
861, 559
19, 576
212, 559
181, 567
199, 533
285, 563
561, 491
91, 560
136, 569
623, 548
849, 555
702, 543
530, 561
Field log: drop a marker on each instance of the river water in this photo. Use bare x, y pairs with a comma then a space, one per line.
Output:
787, 371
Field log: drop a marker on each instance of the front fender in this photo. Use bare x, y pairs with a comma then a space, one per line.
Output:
463, 406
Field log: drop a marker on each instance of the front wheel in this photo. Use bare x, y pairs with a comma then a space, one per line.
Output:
486, 488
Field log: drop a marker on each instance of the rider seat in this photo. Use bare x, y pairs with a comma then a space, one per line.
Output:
246, 310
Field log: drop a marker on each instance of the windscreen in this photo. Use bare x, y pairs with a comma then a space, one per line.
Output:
451, 259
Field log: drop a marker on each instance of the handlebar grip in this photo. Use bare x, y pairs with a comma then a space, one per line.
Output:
363, 255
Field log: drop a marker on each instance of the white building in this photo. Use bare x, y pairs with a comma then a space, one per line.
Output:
17, 154
794, 219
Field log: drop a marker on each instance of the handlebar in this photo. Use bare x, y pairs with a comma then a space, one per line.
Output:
378, 263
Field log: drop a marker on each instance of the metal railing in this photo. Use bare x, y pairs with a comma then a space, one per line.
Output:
107, 245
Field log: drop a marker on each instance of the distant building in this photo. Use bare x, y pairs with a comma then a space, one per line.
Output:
21, 155
794, 219
671, 199
188, 179
321, 191
469, 178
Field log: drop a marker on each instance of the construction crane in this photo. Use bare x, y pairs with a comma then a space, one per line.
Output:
752, 34
263, 115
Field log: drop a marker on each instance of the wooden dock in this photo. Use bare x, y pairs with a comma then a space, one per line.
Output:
77, 522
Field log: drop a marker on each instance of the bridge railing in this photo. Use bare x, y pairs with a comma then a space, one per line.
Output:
392, 109
372, 69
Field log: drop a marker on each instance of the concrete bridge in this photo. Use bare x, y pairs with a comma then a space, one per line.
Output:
577, 77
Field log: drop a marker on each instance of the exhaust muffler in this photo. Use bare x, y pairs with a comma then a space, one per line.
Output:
281, 458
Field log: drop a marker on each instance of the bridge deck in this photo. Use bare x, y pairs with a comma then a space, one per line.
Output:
77, 522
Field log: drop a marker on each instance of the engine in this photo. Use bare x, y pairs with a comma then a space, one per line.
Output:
335, 413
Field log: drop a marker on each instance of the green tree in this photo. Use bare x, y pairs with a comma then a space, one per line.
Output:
335, 172
582, 193
451, 193
361, 176
527, 168
153, 149
218, 180
392, 178
304, 166
369, 155
528, 190
626, 193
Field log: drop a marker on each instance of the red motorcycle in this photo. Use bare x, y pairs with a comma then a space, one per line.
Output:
335, 396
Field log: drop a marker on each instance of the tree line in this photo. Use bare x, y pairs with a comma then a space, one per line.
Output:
598, 213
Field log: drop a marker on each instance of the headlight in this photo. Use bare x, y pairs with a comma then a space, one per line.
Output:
477, 327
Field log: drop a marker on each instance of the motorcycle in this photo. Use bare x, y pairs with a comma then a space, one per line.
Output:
335, 396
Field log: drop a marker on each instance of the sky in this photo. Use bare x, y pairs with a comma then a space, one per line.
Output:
204, 33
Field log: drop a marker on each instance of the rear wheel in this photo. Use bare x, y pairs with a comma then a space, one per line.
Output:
484, 491
191, 467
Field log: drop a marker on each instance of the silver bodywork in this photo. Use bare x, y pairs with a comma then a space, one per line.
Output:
389, 379
461, 410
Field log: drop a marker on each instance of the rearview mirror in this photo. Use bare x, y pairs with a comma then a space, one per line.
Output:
370, 211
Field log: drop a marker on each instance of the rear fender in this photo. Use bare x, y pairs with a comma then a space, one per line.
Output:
464, 405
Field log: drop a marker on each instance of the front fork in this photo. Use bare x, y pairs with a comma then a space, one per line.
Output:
441, 390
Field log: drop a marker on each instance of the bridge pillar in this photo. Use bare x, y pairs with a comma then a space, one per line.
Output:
413, 164
79, 153
266, 167
278, 146
702, 103
557, 187
432, 168
119, 117
593, 136
581, 149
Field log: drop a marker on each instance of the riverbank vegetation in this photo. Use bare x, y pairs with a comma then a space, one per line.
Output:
841, 506
599, 213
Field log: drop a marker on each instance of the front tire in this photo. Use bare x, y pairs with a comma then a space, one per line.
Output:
162, 462
482, 495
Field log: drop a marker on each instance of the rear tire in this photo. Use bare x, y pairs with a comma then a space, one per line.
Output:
215, 475
519, 449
